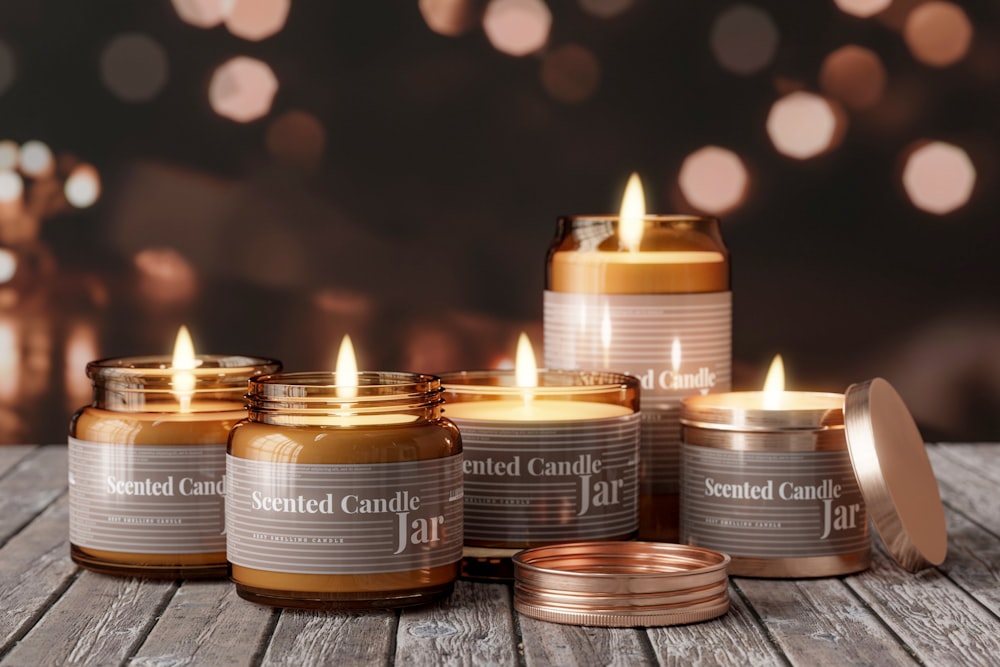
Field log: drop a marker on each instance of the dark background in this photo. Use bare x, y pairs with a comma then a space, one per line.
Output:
418, 217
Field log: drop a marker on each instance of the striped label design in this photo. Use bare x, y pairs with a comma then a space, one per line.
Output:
555, 481
678, 345
150, 499
344, 518
771, 504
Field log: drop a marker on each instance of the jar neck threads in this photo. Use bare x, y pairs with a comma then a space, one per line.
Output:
151, 384
315, 398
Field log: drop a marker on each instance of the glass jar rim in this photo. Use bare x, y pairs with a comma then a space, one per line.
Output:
554, 382
156, 373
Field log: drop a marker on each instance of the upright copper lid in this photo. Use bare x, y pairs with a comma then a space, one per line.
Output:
895, 475
621, 584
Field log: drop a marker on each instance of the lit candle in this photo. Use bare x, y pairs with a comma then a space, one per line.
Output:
550, 456
768, 479
345, 490
147, 462
646, 295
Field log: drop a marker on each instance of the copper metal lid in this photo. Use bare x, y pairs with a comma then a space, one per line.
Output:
621, 584
895, 475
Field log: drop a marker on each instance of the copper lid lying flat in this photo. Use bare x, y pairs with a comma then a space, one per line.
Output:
895, 475
621, 584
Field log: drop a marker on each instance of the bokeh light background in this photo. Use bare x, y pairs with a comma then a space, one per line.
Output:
276, 173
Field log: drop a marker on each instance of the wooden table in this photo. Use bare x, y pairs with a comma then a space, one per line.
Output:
53, 613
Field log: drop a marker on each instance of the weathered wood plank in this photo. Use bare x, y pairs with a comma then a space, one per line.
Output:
735, 640
10, 455
474, 626
820, 622
939, 623
307, 639
34, 568
99, 621
973, 560
207, 623
30, 486
982, 458
968, 490
555, 644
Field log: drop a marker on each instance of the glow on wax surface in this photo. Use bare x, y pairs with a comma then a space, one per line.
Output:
523, 402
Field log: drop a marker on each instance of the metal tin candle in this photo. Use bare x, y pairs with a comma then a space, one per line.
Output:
147, 462
344, 493
768, 479
647, 296
550, 456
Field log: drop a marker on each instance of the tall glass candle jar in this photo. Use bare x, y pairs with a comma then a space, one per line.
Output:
344, 496
147, 463
556, 462
654, 304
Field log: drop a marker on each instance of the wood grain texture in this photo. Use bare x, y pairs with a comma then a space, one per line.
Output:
969, 487
99, 620
308, 638
34, 569
472, 627
29, 486
973, 561
12, 454
206, 623
554, 644
820, 622
939, 622
733, 640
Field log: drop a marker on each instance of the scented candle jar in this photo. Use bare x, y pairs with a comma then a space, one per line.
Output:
555, 462
147, 464
344, 496
652, 301
769, 480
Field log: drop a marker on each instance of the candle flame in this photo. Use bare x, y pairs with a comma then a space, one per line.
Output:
525, 368
346, 374
182, 363
774, 383
631, 218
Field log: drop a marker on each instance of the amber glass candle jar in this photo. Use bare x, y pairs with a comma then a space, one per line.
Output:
344, 496
147, 463
653, 303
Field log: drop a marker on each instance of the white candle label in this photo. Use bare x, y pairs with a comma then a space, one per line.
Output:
344, 518
549, 481
150, 499
677, 345
772, 504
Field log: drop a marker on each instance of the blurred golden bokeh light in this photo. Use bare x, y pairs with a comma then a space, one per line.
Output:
803, 125
255, 20
744, 39
714, 180
938, 33
134, 67
8, 265
517, 27
938, 177
570, 74
854, 75
36, 159
11, 186
9, 151
202, 13
448, 17
83, 186
242, 89
863, 8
